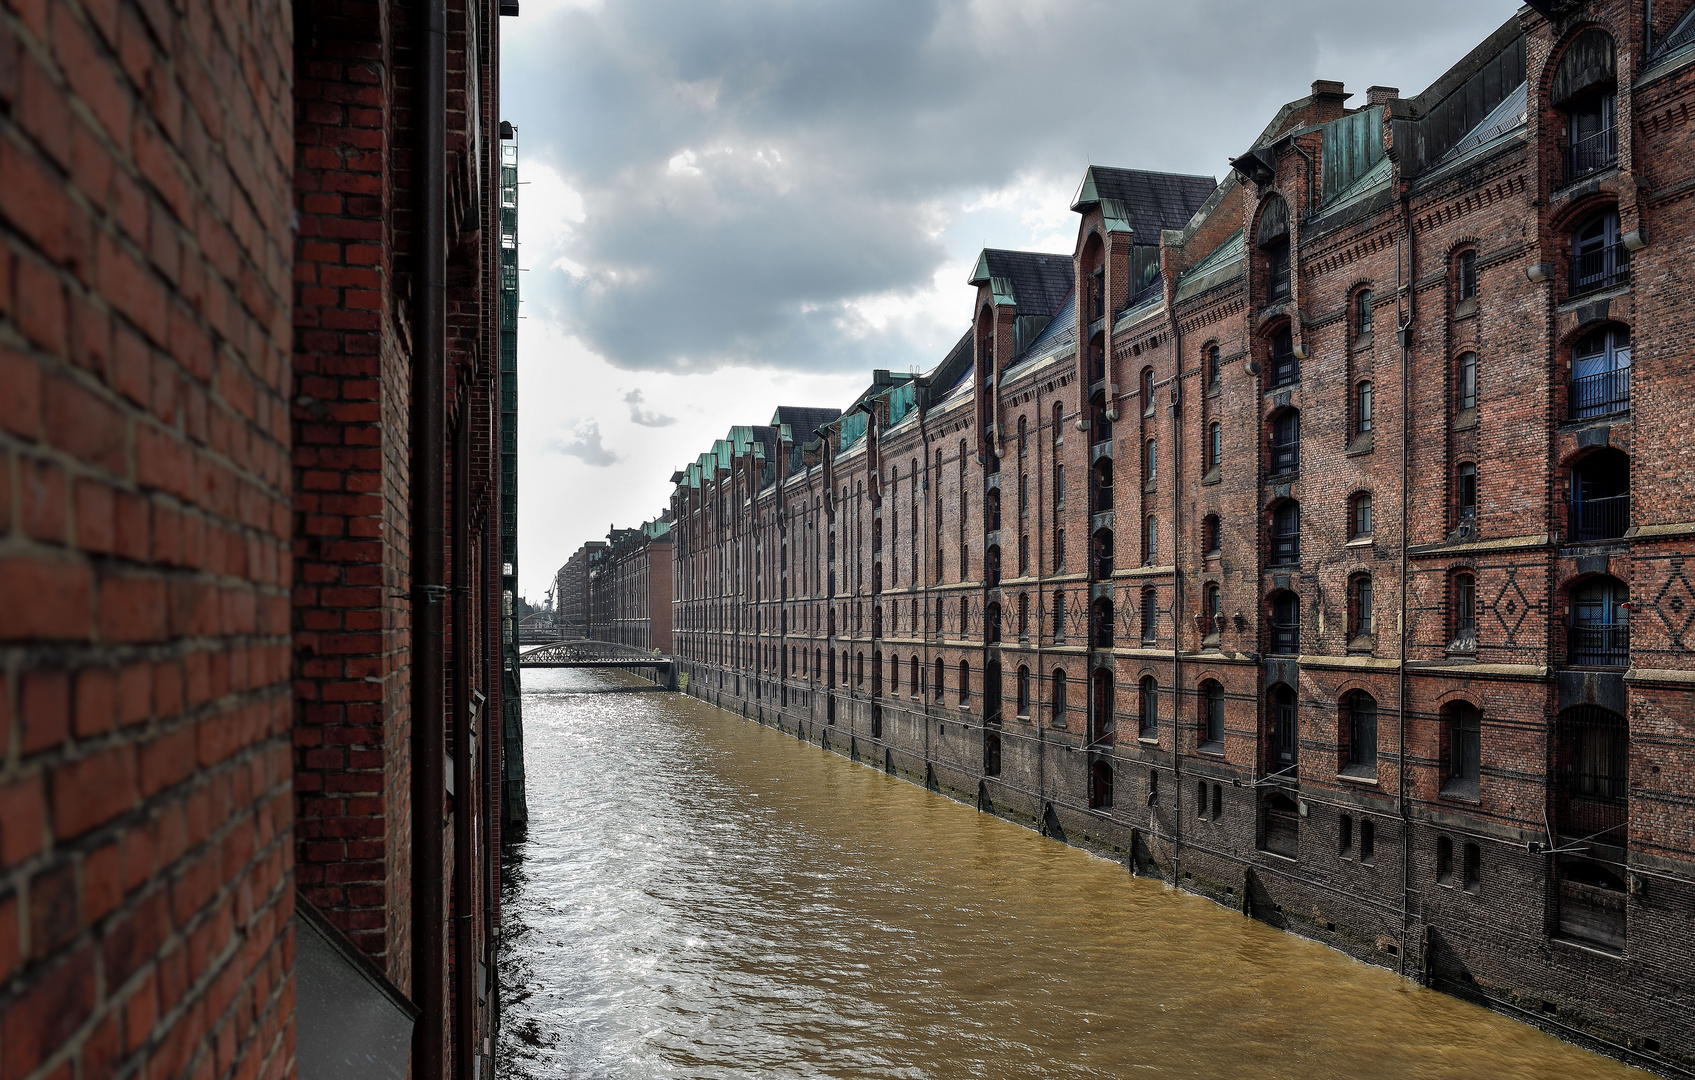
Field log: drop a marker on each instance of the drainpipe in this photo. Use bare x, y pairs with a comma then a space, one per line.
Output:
1176, 574
429, 381
465, 1039
1403, 328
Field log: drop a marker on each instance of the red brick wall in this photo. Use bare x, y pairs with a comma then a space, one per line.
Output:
145, 856
351, 460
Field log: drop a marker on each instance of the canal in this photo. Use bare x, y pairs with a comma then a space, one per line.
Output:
700, 896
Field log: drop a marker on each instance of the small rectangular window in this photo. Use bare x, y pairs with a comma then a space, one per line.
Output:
1368, 840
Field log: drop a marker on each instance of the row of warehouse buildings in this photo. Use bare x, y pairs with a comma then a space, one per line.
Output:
619, 589
1291, 537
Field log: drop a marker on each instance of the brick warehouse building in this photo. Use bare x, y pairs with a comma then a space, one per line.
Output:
249, 325
1390, 645
629, 581
571, 591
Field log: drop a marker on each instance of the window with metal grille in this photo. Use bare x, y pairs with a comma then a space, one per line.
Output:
1361, 524
1285, 624
1600, 496
1362, 407
1286, 533
1286, 442
1599, 259
1215, 445
1284, 369
1465, 492
1600, 373
1465, 381
1600, 624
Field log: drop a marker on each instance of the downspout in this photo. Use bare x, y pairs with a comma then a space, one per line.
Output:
1176, 577
464, 786
429, 386
1403, 328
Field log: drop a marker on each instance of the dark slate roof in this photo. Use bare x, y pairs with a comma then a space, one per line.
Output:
1150, 201
766, 436
1682, 34
1040, 281
802, 420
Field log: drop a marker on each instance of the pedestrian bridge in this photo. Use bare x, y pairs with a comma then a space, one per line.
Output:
584, 653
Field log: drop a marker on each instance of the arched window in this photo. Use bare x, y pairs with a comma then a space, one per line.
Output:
1023, 614
1023, 435
1359, 606
1102, 612
1286, 442
992, 623
1285, 728
1103, 553
1056, 696
1147, 708
1101, 480
1362, 313
1215, 445
1359, 733
1150, 461
1099, 421
964, 687
1023, 699
1465, 381
991, 754
1600, 624
1273, 244
939, 680
1465, 276
1285, 624
1212, 612
1286, 533
1150, 541
992, 566
1212, 535
859, 669
1360, 519
1215, 372
1147, 391
1101, 723
1600, 372
1462, 729
1585, 88
1444, 861
1212, 716
1362, 407
1599, 259
915, 684
991, 516
1100, 785
1150, 614
1462, 604
894, 674
1465, 493
1600, 496
1059, 614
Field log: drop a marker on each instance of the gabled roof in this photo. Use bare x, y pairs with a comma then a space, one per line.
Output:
1681, 35
802, 420
1511, 114
1034, 282
1142, 202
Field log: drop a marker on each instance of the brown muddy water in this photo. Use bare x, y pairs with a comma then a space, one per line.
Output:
700, 896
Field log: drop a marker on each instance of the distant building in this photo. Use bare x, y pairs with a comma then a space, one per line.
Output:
571, 591
630, 587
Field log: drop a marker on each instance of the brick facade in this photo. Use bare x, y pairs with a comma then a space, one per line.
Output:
629, 586
571, 591
208, 236
1326, 576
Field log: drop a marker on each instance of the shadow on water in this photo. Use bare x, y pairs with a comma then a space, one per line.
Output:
700, 896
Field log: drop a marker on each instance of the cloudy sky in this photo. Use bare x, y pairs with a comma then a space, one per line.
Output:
736, 204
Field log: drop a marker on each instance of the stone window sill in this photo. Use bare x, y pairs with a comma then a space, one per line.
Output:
1361, 444
1213, 476
1462, 791
1465, 419
1356, 774
1465, 309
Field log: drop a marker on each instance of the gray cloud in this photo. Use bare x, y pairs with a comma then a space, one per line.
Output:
584, 444
749, 169
645, 417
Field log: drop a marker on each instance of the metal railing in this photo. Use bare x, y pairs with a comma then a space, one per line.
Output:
1285, 458
1600, 394
1591, 152
1600, 267
1285, 639
1605, 518
1599, 645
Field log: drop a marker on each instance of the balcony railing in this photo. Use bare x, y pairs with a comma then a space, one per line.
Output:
1592, 152
1285, 550
1600, 645
1604, 518
1285, 639
1285, 458
1600, 394
1600, 268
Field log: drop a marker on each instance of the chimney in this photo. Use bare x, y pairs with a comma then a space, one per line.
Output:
1377, 95
1327, 88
